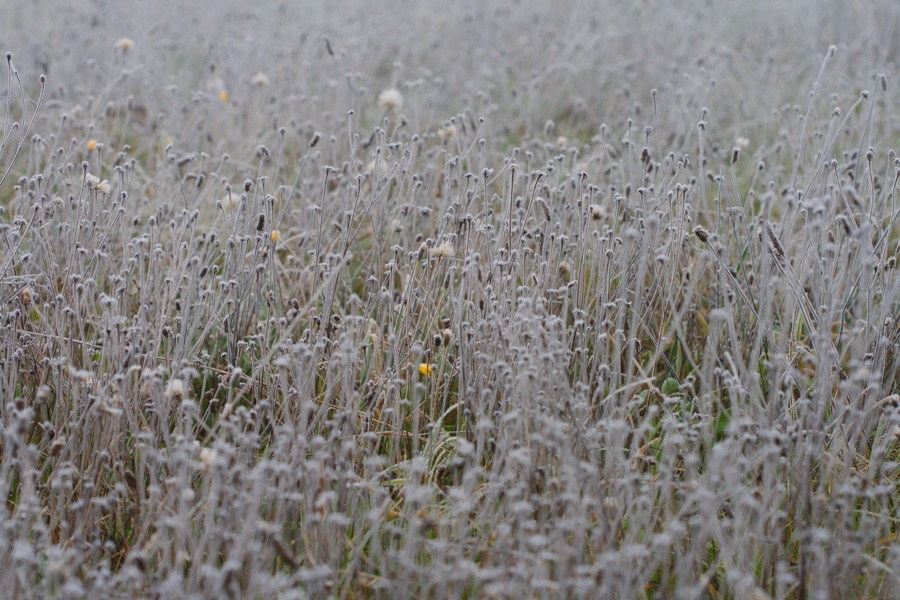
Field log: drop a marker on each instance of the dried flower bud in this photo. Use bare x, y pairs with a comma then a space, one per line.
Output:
702, 234
545, 208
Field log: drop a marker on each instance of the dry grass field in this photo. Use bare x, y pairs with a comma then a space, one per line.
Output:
450, 300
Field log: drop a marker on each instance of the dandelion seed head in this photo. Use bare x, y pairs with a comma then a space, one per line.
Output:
447, 132
93, 183
230, 203
208, 457
390, 99
174, 389
124, 44
443, 250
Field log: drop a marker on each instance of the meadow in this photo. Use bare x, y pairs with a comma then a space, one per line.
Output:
450, 300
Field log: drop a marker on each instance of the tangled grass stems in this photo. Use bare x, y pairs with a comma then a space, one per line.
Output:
451, 337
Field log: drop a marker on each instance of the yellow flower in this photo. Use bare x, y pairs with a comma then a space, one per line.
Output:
223, 96
425, 369
276, 236
92, 143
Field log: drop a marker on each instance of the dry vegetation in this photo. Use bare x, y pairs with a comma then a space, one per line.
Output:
498, 300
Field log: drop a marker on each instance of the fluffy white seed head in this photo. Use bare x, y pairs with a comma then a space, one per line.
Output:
390, 100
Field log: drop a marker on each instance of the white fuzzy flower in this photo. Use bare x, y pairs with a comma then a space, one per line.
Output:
93, 183
230, 203
174, 389
124, 44
597, 211
390, 99
443, 250
447, 132
208, 457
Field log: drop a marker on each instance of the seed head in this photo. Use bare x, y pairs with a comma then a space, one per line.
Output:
174, 389
390, 100
545, 208
775, 244
229, 203
448, 337
702, 234
93, 183
124, 45
208, 457
260, 80
443, 250
447, 132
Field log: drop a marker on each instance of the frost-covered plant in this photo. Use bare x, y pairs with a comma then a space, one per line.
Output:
488, 301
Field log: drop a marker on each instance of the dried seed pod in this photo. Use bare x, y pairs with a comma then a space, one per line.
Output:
775, 244
702, 234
